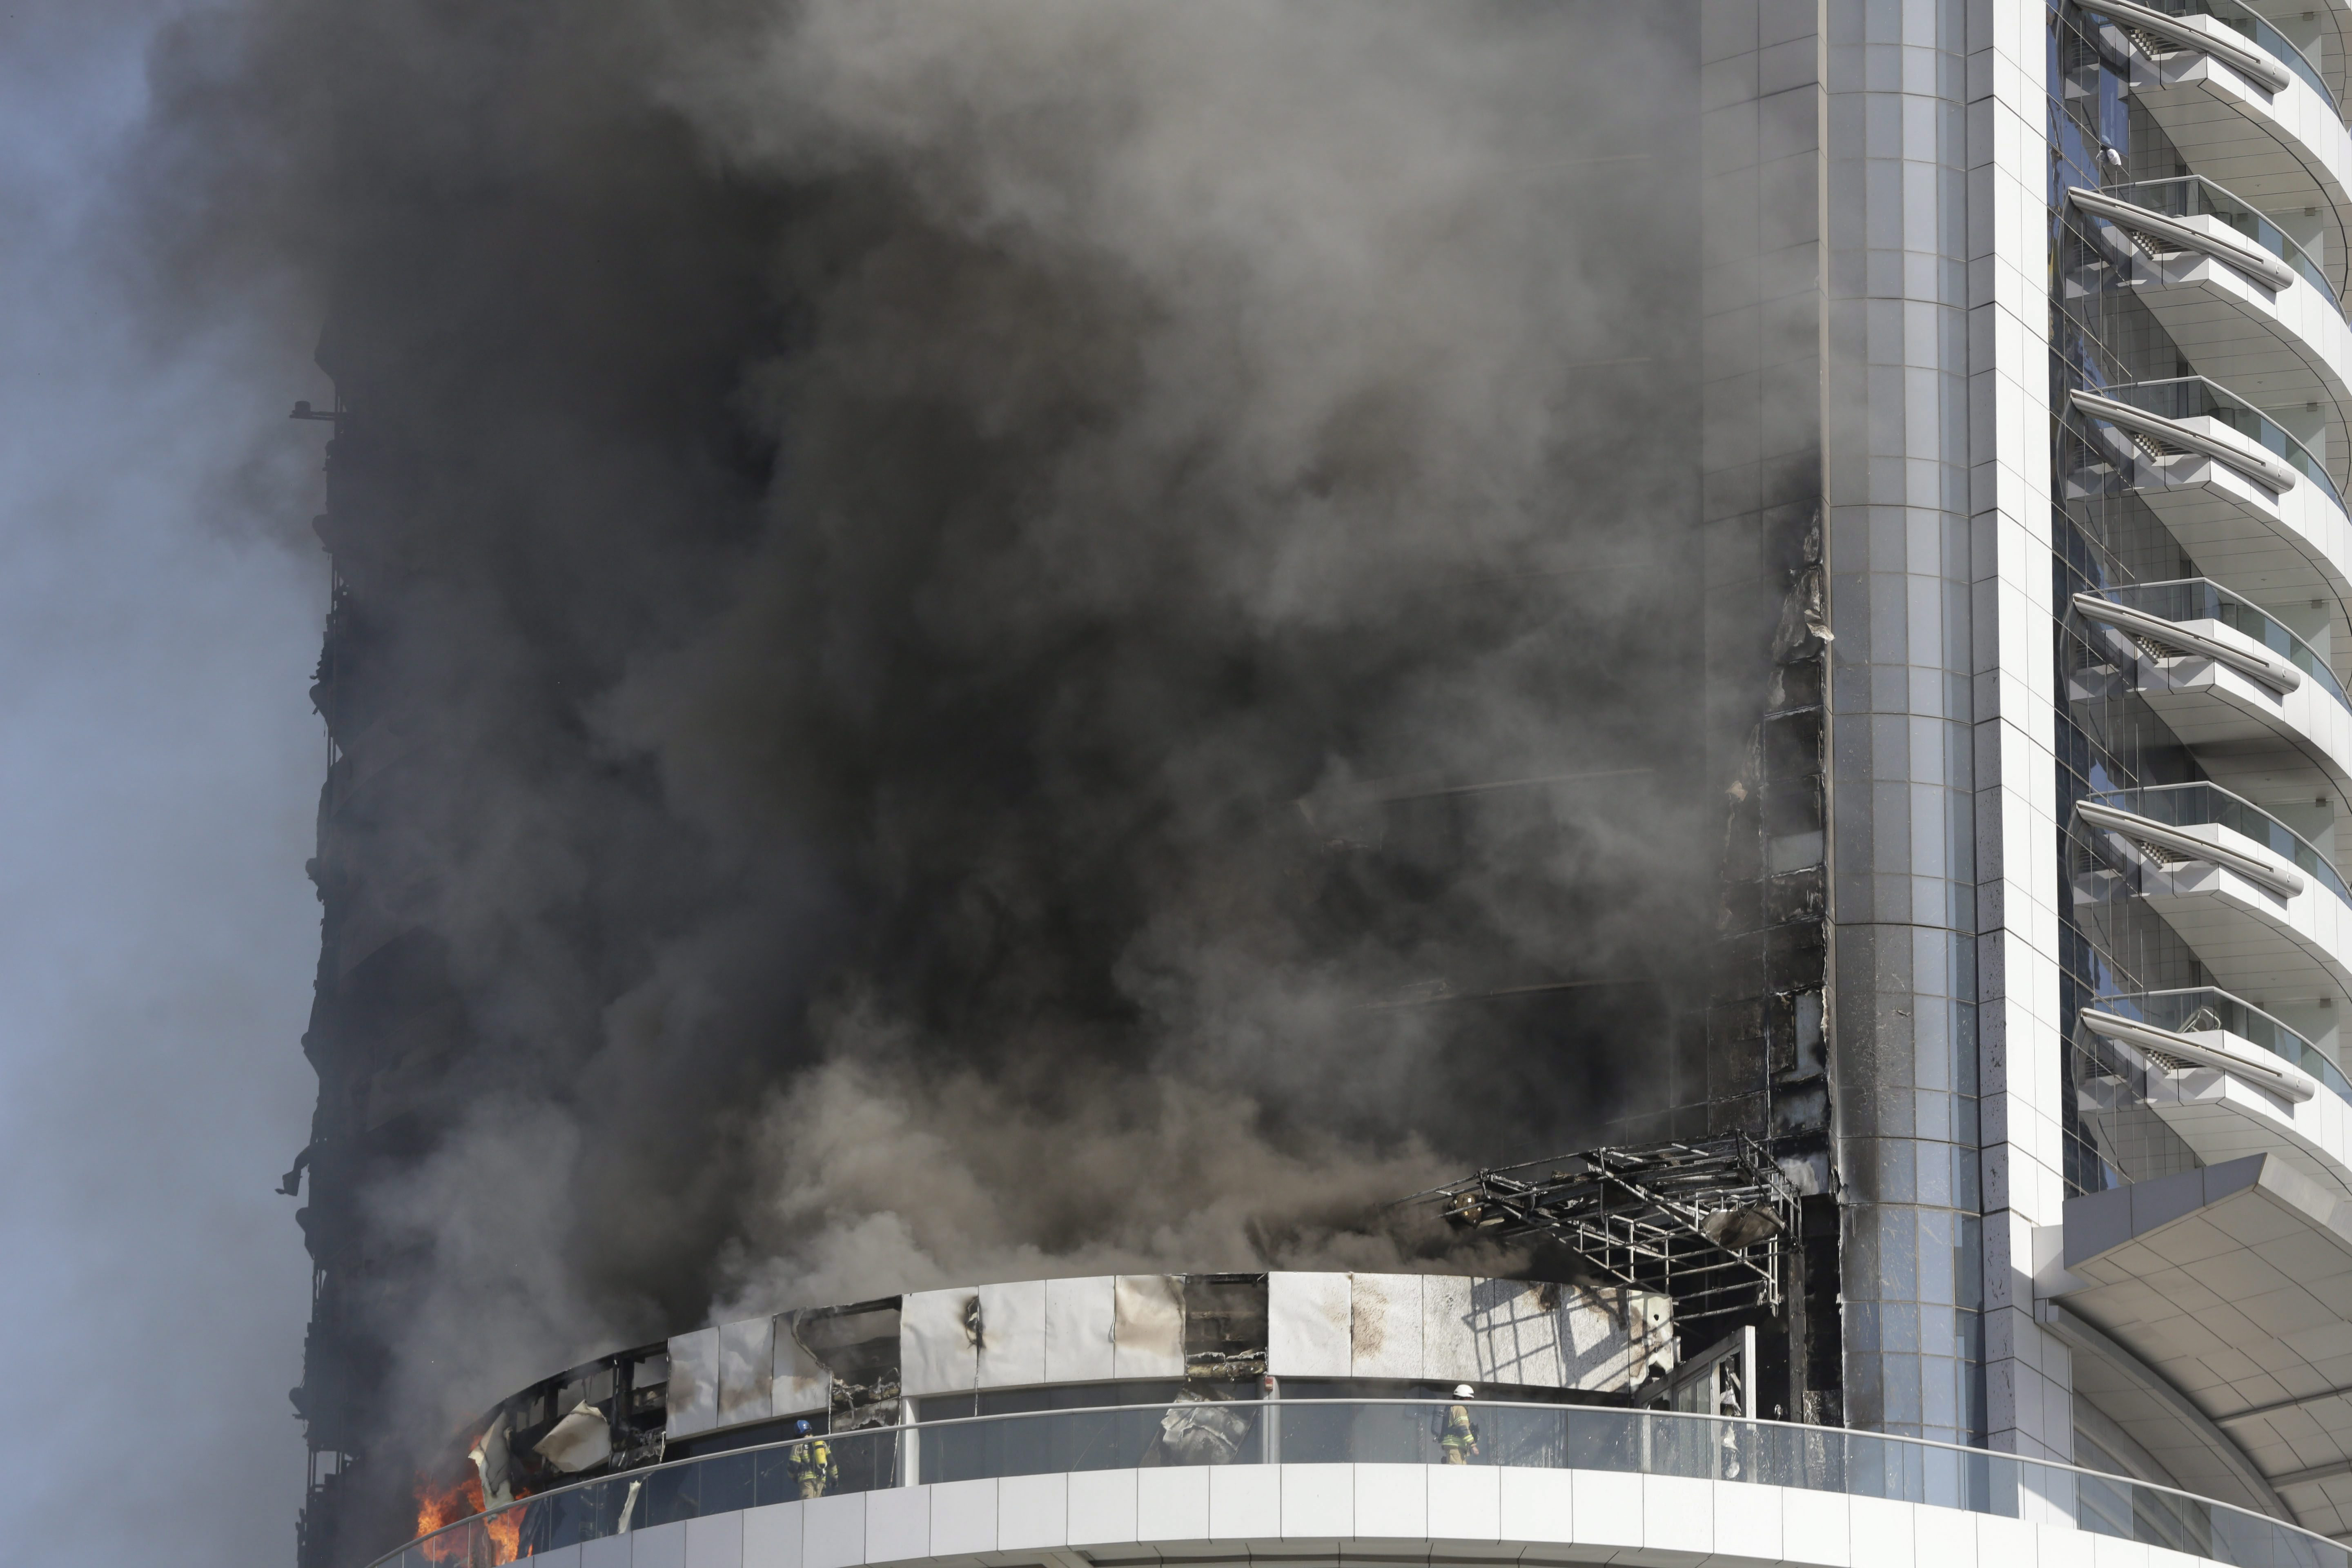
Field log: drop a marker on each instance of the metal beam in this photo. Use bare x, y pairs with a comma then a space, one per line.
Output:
2281, 1406
2327, 1472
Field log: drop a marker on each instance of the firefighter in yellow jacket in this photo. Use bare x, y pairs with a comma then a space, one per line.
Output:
811, 1462
1455, 1433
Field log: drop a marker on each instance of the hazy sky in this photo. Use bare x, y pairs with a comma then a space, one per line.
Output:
159, 764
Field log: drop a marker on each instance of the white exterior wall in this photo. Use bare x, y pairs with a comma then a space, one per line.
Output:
2027, 1401
1298, 1514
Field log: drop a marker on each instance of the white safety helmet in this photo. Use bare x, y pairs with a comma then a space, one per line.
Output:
1461, 1391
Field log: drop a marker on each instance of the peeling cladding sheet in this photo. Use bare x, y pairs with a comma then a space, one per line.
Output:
492, 1464
747, 1356
1449, 1350
1385, 1330
801, 1381
936, 1354
1079, 1316
1013, 1334
1147, 1326
582, 1439
1308, 1325
693, 1393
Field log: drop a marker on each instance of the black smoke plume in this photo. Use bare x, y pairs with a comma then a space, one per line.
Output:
974, 639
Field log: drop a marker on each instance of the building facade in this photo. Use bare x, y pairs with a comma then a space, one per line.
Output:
2022, 377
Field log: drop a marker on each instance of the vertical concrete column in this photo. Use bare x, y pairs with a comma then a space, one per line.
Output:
1902, 701
2029, 1407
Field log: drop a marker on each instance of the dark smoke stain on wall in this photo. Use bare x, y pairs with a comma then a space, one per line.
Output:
969, 640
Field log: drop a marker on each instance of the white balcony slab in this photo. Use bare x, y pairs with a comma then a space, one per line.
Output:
2223, 1117
2282, 150
2256, 942
2325, 31
2274, 347
1545, 1517
2225, 714
2233, 1284
2280, 549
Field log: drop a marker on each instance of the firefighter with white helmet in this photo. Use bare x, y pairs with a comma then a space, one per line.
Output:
1455, 1432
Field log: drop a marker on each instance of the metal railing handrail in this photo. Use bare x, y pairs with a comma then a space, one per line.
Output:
2270, 433
2302, 852
2266, 232
2311, 1058
2309, 661
1722, 1436
2248, 23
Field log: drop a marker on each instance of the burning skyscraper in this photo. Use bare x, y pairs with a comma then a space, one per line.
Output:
1173, 781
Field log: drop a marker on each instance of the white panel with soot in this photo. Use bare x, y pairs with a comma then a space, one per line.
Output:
936, 1352
1385, 1330
1308, 1325
1013, 1334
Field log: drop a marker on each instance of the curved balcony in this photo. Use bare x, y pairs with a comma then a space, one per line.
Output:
2244, 106
1309, 1481
2267, 913
2208, 1311
2254, 506
2321, 34
2226, 675
2244, 302
2225, 1076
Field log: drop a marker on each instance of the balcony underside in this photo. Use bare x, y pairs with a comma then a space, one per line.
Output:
2233, 1285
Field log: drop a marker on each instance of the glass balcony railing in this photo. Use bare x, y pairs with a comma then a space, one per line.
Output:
2190, 805
2193, 1011
2194, 196
2195, 398
2266, 37
1541, 1437
2202, 599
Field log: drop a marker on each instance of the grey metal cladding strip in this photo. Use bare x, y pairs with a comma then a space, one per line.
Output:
2256, 462
2228, 246
2245, 58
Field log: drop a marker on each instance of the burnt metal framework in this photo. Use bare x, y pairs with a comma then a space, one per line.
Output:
1704, 1224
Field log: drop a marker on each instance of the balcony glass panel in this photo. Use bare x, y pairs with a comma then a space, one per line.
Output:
2267, 38
1363, 1431
2192, 1011
2202, 599
2194, 196
2194, 398
2194, 805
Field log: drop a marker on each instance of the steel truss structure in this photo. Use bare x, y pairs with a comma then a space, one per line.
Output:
1704, 1224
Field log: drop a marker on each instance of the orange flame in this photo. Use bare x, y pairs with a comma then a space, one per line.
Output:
436, 1508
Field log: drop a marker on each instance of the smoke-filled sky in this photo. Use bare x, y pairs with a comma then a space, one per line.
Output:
928, 579
158, 771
